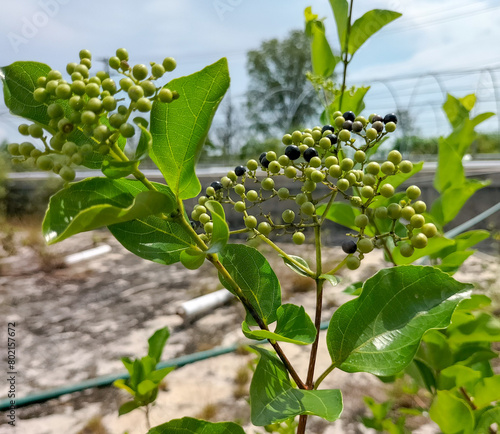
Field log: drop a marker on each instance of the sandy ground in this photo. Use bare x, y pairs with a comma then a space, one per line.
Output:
75, 323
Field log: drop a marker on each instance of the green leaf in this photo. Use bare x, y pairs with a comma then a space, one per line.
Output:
446, 404
487, 419
341, 12
145, 140
466, 328
458, 376
118, 169
98, 202
153, 238
451, 263
220, 233
457, 110
380, 331
470, 238
434, 245
294, 326
160, 374
180, 128
435, 351
121, 384
334, 280
322, 57
354, 288
19, 82
253, 274
188, 425
274, 399
369, 24
341, 213
192, 258
486, 391
450, 202
353, 98
294, 267
145, 387
157, 343
128, 407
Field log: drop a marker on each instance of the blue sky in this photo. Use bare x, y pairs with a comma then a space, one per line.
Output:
430, 37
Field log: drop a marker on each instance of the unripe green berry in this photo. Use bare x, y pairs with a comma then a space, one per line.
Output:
394, 157
381, 213
116, 119
165, 95
283, 160
144, 105
308, 208
274, 167
290, 172
351, 177
331, 160
54, 75
13, 149
232, 175
367, 192
208, 227
41, 94
315, 162
335, 171
296, 137
67, 173
44, 162
309, 186
413, 192
365, 245
35, 131
267, 184
361, 221
122, 54
25, 148
352, 262
417, 220
429, 230
204, 218
309, 141
283, 193
346, 164
339, 121
77, 159
419, 207
369, 179
342, 184
407, 212
325, 143
94, 105
390, 127
317, 176
303, 148
250, 222
264, 228
344, 135
252, 196
356, 201
406, 250
55, 110
126, 83
101, 132
419, 241
288, 216
371, 133
287, 139
239, 189
298, 238
210, 191
109, 103
135, 92
169, 64
78, 87
394, 211
239, 206
127, 130
373, 168
359, 156
406, 166
69, 148
140, 71
157, 70
252, 165
388, 168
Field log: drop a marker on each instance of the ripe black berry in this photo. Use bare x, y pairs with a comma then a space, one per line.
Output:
349, 116
347, 125
292, 152
216, 185
333, 138
261, 156
391, 117
328, 127
265, 162
377, 118
240, 170
349, 246
310, 153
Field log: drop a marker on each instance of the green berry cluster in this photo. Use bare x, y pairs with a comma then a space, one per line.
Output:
317, 158
89, 113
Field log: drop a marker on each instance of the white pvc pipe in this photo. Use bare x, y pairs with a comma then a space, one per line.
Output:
87, 254
203, 304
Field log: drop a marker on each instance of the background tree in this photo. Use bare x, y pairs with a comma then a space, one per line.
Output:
279, 97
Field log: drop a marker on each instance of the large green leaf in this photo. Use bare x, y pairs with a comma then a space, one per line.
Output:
220, 233
322, 57
446, 404
253, 274
435, 350
341, 213
179, 129
294, 325
353, 100
189, 425
379, 332
340, 10
153, 238
98, 202
467, 327
486, 391
487, 419
274, 399
369, 24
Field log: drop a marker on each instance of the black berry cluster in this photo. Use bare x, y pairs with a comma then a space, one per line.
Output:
95, 106
316, 158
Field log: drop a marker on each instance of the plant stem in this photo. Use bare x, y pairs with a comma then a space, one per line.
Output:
239, 293
148, 423
346, 53
324, 375
384, 243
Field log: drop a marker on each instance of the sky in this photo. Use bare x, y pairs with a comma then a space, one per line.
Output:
454, 39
